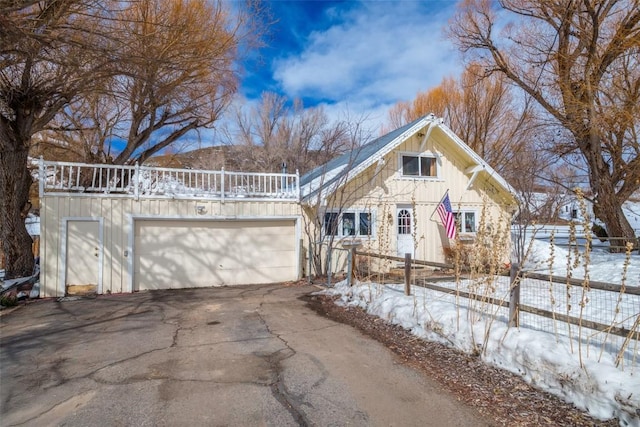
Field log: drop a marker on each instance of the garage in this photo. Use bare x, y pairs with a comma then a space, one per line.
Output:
179, 253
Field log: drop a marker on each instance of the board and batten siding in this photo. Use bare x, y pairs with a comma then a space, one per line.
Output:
116, 215
384, 191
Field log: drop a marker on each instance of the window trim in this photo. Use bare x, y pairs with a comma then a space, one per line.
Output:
426, 154
462, 213
356, 226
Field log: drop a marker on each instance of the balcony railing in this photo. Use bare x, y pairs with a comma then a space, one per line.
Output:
154, 182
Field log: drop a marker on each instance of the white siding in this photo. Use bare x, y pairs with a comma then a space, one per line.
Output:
388, 189
117, 215
171, 254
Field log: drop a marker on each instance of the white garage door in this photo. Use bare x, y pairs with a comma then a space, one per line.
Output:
172, 254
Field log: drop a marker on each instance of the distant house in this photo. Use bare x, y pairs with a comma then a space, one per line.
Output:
571, 211
130, 228
566, 208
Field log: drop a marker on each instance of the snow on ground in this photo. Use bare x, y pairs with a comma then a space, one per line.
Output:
540, 350
603, 266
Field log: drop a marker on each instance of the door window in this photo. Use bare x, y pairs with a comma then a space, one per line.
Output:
404, 222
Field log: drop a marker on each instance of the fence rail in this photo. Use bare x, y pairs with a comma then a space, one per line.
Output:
562, 237
580, 282
553, 304
147, 181
413, 261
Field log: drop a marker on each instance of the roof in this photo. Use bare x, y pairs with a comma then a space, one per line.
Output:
337, 172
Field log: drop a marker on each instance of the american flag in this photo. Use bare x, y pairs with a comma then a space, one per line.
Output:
447, 217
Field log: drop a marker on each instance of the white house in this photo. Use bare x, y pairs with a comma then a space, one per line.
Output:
130, 228
386, 192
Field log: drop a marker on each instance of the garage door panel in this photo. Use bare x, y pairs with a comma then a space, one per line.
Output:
265, 248
180, 254
249, 276
273, 260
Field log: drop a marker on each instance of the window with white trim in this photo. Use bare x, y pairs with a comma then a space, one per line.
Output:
419, 166
466, 221
355, 223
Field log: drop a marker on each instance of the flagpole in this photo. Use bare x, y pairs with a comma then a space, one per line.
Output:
438, 204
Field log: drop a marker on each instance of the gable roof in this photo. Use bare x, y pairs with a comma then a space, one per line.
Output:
337, 172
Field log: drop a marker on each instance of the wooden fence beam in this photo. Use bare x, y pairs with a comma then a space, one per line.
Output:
514, 295
407, 274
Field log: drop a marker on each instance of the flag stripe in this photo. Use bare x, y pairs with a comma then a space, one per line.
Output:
446, 216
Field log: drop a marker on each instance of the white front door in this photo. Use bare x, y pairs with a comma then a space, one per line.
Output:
83, 255
404, 221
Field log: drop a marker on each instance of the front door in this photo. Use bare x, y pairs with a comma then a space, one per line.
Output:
404, 228
83, 257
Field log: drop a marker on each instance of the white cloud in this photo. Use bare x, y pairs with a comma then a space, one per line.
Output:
377, 54
371, 118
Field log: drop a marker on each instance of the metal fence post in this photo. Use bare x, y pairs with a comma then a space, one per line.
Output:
136, 182
514, 295
309, 262
222, 185
407, 274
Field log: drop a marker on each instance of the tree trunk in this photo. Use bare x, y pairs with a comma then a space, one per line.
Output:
609, 211
607, 205
15, 181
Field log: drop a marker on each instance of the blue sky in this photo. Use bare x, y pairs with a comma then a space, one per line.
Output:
356, 57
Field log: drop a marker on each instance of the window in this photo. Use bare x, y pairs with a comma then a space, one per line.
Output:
365, 224
419, 166
331, 223
404, 222
349, 223
466, 222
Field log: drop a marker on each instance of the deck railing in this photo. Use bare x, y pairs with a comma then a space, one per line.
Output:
148, 181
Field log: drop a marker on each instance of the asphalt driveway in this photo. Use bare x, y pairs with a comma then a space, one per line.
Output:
244, 355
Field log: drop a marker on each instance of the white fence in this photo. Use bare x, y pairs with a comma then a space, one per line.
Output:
145, 181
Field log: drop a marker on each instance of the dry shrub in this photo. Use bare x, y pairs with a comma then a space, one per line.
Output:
458, 254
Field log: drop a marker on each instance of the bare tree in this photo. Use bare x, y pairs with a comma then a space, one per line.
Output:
82, 132
579, 60
176, 75
329, 195
99, 73
273, 133
50, 52
482, 111
439, 101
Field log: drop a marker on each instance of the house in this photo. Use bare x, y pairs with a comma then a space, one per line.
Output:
128, 228
386, 192
571, 210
